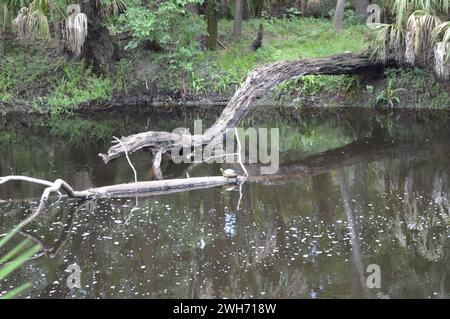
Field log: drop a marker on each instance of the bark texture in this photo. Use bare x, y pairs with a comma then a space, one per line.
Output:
361, 8
212, 24
98, 49
146, 188
237, 27
258, 83
338, 20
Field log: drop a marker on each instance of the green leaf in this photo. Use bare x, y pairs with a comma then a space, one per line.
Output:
11, 254
16, 263
16, 291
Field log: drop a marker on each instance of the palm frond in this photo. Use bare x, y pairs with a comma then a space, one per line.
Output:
14, 259
419, 42
113, 7
403, 8
38, 20
76, 30
442, 34
9, 10
380, 49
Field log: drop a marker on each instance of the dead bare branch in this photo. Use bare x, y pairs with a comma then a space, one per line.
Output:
258, 83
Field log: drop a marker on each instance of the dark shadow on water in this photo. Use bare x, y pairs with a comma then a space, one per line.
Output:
353, 189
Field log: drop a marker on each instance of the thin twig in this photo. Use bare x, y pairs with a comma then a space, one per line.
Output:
240, 195
38, 181
239, 152
128, 158
55, 187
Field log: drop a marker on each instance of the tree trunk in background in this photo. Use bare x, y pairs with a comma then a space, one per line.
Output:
58, 25
212, 25
259, 8
237, 28
339, 15
98, 50
361, 8
314, 8
192, 8
223, 9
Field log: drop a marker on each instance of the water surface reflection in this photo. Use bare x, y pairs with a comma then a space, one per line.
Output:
352, 190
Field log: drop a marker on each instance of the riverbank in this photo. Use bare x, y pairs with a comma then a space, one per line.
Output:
118, 243
36, 79
101, 126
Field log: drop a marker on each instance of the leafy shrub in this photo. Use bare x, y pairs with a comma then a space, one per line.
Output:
78, 85
173, 28
389, 95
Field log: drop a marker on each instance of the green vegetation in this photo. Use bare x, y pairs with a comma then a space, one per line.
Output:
389, 95
32, 76
76, 86
285, 39
163, 51
308, 87
25, 75
14, 259
414, 34
420, 88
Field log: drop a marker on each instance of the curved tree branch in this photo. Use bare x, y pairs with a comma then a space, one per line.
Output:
258, 83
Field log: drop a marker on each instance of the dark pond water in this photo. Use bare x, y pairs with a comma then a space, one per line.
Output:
353, 189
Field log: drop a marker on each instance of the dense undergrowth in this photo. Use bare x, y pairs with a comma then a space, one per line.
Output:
39, 80
46, 81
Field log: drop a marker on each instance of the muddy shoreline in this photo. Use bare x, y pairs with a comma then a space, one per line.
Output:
140, 103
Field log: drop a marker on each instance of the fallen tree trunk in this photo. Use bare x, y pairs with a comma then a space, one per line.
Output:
362, 151
257, 84
162, 186
129, 189
121, 190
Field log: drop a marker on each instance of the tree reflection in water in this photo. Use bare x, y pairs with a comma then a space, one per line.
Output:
348, 194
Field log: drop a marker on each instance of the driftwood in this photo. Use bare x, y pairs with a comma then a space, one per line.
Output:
365, 150
128, 189
121, 190
257, 84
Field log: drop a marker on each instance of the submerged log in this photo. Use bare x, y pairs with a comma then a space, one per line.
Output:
258, 83
146, 188
122, 190
162, 186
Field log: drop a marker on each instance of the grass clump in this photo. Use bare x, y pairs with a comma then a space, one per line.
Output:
284, 39
50, 83
77, 85
421, 87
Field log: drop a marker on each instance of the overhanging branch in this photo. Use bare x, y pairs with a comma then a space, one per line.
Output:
258, 83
